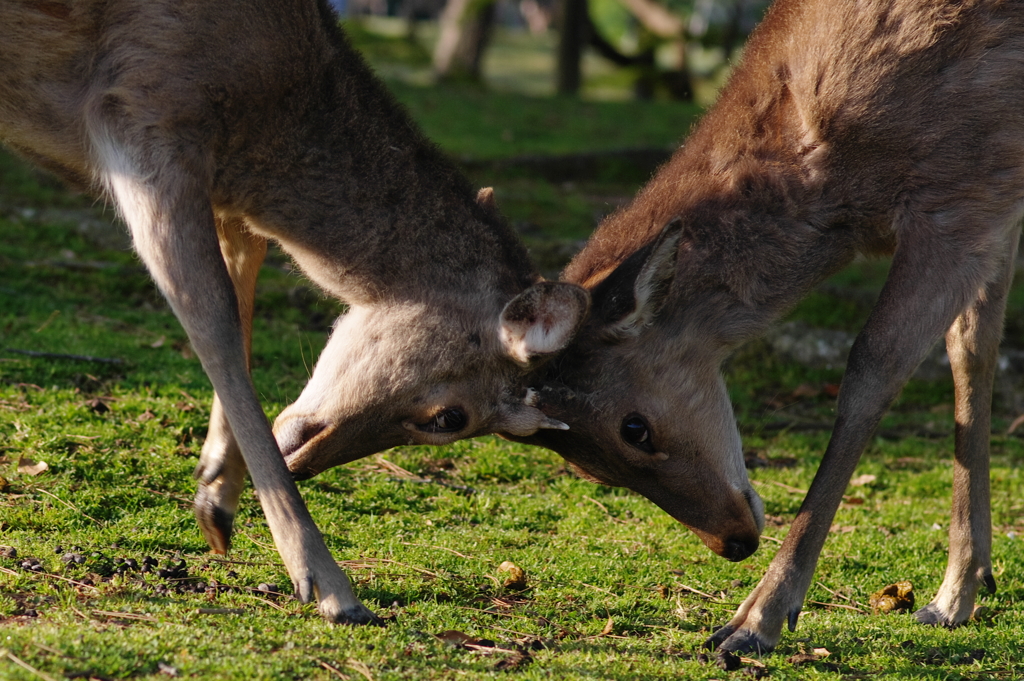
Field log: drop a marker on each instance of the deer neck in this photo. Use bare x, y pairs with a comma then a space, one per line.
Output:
366, 205
761, 225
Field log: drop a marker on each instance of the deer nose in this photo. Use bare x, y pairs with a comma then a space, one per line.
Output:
294, 433
738, 548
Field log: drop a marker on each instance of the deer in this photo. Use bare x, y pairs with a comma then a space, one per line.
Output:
216, 126
849, 128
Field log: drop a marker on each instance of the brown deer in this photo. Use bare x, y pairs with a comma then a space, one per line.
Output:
850, 127
217, 125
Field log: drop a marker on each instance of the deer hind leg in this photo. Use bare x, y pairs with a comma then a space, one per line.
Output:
158, 186
221, 470
973, 346
930, 283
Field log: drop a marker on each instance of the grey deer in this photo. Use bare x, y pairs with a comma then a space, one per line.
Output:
850, 127
217, 125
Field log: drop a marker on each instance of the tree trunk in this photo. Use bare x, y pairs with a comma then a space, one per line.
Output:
466, 27
572, 40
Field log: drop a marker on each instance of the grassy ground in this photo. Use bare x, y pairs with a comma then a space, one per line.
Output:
103, 574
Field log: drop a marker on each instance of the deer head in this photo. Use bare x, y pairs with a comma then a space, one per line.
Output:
414, 376
647, 407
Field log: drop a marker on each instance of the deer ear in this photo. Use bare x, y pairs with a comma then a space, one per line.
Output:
542, 320
653, 282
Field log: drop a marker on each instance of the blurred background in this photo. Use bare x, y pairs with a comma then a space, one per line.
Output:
597, 49
565, 106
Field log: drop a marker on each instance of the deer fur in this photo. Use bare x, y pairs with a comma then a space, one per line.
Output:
217, 125
850, 127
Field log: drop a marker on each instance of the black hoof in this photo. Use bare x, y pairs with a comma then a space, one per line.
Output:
718, 637
742, 641
360, 617
931, 616
215, 523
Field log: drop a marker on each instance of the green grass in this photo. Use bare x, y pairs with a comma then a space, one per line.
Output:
615, 589
551, 125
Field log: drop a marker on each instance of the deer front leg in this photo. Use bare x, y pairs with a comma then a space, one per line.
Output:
779, 597
221, 469
973, 346
928, 286
168, 211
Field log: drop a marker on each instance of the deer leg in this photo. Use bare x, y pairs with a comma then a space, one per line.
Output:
221, 470
973, 346
929, 284
159, 188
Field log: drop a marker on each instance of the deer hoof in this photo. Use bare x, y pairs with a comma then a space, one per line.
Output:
718, 637
206, 473
933, 617
357, 615
214, 521
362, 616
744, 641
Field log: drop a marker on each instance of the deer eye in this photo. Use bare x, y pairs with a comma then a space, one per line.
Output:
450, 420
636, 432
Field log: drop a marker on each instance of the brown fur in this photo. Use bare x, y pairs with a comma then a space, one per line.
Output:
215, 125
870, 127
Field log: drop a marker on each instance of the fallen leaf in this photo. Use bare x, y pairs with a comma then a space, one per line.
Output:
609, 626
802, 658
862, 480
455, 637
27, 466
158, 343
516, 577
822, 652
981, 613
